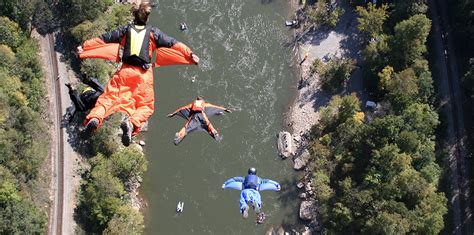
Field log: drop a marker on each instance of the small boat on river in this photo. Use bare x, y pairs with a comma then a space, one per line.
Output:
180, 207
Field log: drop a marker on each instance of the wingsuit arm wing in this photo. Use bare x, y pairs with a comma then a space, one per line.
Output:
169, 51
177, 54
115, 36
106, 46
267, 184
97, 48
180, 111
234, 183
212, 109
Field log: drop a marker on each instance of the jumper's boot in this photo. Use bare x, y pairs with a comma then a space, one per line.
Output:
91, 126
69, 86
216, 136
245, 212
127, 129
179, 136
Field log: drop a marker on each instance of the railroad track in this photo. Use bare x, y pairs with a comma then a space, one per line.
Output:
58, 202
450, 90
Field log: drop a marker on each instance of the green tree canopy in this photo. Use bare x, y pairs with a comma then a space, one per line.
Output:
371, 19
10, 33
409, 40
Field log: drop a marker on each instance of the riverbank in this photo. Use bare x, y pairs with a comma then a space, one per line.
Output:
320, 44
303, 112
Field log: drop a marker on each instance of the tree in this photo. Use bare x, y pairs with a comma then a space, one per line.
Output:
43, 19
101, 196
371, 19
402, 89
336, 73
387, 223
126, 221
404, 9
468, 80
421, 118
21, 217
323, 14
85, 9
376, 57
18, 11
10, 33
408, 43
128, 162
385, 165
7, 56
103, 140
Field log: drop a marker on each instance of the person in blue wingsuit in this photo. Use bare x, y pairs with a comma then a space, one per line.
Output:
250, 187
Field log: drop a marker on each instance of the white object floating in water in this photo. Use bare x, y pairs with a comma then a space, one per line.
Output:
180, 207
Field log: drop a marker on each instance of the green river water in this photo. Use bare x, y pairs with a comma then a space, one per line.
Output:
244, 66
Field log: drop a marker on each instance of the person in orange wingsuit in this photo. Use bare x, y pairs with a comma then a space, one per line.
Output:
131, 88
197, 115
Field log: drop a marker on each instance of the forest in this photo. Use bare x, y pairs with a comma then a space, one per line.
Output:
378, 172
24, 139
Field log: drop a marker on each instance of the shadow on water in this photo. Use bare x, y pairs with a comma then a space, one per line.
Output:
266, 1
287, 197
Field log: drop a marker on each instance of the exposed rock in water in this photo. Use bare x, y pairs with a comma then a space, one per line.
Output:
302, 160
285, 147
300, 184
281, 231
307, 231
308, 210
141, 143
269, 231
307, 187
135, 145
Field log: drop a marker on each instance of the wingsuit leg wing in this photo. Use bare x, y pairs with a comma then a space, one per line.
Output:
144, 103
209, 127
191, 125
125, 93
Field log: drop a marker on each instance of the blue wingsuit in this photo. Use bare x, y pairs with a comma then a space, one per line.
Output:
251, 185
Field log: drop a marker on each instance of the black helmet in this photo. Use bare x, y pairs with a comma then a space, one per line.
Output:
252, 171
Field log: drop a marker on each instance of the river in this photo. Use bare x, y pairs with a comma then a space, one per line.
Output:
244, 66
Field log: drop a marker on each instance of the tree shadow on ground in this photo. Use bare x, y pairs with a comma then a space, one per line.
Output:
321, 99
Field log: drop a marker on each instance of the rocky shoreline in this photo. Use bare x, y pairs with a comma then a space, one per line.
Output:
303, 112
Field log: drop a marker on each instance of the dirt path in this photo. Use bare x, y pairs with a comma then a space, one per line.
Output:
447, 79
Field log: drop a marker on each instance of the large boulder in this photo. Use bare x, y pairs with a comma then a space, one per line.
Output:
301, 160
308, 210
285, 147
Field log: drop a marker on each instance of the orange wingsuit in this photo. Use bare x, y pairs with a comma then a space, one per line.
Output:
197, 116
131, 88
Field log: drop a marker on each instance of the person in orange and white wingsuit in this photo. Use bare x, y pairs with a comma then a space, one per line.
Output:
131, 88
197, 115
